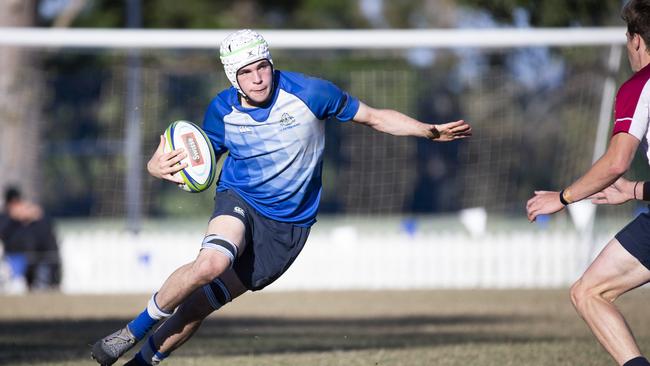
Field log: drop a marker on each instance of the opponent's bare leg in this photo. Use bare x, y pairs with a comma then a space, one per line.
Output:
614, 272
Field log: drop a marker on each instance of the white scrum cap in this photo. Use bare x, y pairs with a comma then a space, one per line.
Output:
240, 49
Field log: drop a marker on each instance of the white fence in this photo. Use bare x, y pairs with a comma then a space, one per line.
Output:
341, 258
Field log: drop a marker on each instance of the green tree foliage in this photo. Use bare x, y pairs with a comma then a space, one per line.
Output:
553, 13
202, 14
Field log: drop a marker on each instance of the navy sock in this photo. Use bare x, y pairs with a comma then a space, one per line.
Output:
151, 354
142, 324
637, 361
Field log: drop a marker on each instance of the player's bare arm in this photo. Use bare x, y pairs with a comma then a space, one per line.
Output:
602, 174
398, 124
163, 165
619, 192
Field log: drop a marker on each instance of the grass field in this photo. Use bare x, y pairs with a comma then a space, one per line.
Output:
414, 328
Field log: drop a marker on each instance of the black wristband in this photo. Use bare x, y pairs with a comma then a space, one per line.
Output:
646, 191
564, 202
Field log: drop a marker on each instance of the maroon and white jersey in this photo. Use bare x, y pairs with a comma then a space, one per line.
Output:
632, 107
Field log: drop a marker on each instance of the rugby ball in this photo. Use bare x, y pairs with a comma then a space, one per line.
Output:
201, 165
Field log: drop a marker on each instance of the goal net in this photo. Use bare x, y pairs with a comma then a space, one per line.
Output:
534, 101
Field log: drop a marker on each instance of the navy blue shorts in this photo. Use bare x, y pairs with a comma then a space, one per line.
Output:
271, 246
635, 238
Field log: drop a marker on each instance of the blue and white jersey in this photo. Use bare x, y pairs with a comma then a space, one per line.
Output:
275, 155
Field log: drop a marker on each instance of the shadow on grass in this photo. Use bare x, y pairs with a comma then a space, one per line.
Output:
33, 342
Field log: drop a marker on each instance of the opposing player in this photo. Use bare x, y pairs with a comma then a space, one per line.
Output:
272, 124
624, 263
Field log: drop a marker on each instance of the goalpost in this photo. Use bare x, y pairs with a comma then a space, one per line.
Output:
466, 44
540, 101
316, 39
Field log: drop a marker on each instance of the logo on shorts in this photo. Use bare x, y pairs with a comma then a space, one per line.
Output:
240, 211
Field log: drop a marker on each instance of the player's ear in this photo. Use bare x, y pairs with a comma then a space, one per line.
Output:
641, 45
637, 41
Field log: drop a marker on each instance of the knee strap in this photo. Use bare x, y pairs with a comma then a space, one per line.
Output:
217, 293
222, 245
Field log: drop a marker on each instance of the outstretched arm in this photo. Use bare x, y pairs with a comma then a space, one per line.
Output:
603, 173
399, 124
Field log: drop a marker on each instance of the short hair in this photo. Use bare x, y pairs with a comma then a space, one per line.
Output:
12, 194
636, 13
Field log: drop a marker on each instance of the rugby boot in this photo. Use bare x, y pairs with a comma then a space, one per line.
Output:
109, 349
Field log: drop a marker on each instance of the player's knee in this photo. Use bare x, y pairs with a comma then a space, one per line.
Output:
207, 267
577, 294
584, 294
212, 264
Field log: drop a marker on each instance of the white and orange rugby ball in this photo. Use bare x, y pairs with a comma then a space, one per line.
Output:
201, 165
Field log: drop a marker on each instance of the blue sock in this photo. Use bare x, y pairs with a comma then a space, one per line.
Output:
142, 324
147, 319
637, 361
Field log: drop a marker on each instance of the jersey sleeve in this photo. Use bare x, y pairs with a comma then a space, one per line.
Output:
214, 127
631, 109
325, 99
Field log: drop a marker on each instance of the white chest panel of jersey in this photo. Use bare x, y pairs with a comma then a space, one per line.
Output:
280, 152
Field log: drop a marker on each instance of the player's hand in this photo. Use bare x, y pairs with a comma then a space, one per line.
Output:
543, 203
619, 192
450, 131
164, 165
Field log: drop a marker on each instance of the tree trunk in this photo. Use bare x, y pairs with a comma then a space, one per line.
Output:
20, 109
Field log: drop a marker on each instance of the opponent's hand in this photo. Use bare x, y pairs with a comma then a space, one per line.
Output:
450, 131
164, 165
619, 192
542, 203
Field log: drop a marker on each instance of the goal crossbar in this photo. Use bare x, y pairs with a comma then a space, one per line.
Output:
314, 39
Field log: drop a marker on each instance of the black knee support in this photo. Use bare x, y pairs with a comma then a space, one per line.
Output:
222, 245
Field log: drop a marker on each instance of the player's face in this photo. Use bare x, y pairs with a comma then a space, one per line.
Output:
256, 81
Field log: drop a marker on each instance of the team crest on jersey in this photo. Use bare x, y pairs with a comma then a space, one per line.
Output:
245, 129
287, 121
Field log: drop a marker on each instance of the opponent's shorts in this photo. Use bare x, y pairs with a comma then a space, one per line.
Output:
271, 246
635, 238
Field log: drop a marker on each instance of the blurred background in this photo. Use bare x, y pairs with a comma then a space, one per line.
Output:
79, 123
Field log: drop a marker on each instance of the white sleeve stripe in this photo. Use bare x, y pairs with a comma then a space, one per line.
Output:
639, 126
624, 119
